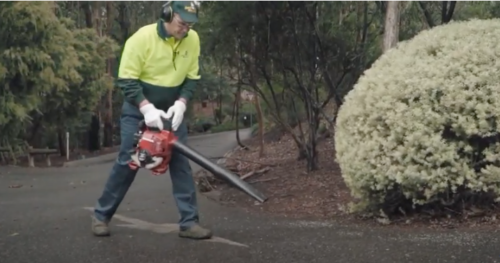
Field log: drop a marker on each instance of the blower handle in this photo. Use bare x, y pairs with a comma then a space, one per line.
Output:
167, 126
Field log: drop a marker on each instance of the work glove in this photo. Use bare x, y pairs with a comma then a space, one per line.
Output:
153, 116
177, 110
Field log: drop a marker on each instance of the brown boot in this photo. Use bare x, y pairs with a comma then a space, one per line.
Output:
99, 228
196, 232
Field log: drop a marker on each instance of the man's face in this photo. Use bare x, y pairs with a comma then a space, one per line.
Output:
179, 28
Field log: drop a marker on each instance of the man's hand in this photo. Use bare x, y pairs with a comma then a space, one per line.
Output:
177, 110
153, 116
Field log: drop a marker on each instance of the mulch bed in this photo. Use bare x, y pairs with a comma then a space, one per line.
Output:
291, 190
318, 195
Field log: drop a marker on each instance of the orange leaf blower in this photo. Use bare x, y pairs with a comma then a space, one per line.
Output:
153, 150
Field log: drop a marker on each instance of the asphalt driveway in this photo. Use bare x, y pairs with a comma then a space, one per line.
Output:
47, 220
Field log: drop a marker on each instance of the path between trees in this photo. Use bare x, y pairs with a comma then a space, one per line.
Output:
44, 218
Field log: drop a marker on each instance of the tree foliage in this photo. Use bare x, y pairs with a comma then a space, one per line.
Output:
51, 71
299, 59
295, 56
35, 61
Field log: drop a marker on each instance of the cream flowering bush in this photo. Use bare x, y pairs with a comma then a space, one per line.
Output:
422, 124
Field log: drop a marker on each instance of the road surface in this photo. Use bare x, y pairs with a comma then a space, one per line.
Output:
47, 220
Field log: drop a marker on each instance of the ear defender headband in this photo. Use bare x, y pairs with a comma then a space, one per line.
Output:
166, 12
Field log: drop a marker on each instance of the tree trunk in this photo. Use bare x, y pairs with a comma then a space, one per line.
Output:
233, 111
93, 134
94, 130
123, 20
61, 142
260, 116
108, 120
447, 11
312, 157
260, 119
237, 102
219, 100
391, 29
35, 129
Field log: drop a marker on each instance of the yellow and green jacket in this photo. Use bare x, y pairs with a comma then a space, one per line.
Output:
156, 67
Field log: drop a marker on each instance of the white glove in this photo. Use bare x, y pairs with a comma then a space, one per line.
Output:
153, 116
177, 110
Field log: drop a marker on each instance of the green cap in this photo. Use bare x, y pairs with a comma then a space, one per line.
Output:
187, 10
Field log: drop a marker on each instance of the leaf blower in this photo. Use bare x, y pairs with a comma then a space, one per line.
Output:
153, 150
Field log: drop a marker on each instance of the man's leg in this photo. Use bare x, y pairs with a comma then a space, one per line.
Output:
120, 177
184, 191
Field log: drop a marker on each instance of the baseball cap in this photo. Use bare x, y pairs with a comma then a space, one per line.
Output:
187, 10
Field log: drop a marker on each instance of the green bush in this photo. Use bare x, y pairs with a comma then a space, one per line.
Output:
254, 129
247, 119
226, 126
268, 126
421, 126
201, 124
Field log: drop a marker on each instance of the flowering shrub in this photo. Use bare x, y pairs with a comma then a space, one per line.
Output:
422, 125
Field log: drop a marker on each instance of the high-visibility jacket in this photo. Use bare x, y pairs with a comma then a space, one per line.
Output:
156, 67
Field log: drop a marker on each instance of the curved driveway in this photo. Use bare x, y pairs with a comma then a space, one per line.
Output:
46, 220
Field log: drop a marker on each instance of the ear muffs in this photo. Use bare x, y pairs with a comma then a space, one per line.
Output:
166, 12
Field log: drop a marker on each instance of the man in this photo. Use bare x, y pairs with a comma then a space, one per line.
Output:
158, 71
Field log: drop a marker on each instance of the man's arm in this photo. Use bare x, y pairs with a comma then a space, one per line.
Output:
189, 86
131, 63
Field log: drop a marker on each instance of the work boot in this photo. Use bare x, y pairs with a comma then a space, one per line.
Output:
99, 228
196, 232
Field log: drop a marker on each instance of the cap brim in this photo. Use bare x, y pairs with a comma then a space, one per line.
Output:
188, 17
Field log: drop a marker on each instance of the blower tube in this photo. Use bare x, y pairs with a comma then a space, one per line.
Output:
218, 171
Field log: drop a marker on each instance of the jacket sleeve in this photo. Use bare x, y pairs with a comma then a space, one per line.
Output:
189, 85
131, 63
